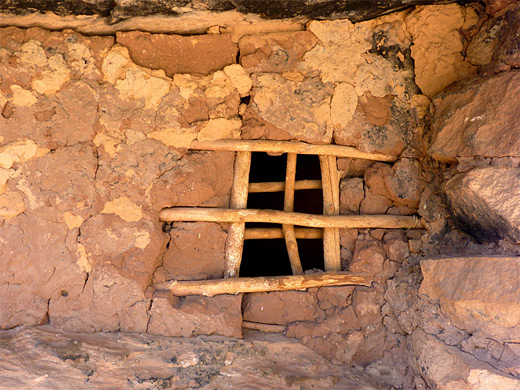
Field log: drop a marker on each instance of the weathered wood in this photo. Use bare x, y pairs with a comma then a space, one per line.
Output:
279, 186
271, 328
288, 205
195, 214
280, 147
211, 288
331, 243
235, 239
276, 233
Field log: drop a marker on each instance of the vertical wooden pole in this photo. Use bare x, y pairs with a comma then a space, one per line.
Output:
235, 239
288, 230
331, 243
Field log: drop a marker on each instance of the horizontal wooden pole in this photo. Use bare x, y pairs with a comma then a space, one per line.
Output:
277, 233
198, 214
264, 327
279, 186
280, 147
214, 287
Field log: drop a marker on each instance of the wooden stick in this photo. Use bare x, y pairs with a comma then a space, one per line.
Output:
279, 147
210, 288
331, 243
235, 239
279, 186
288, 205
276, 233
195, 214
264, 327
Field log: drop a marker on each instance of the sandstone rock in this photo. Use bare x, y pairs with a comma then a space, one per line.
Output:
200, 54
351, 195
492, 6
496, 47
275, 52
477, 118
405, 184
437, 45
378, 125
195, 315
281, 307
196, 252
477, 293
289, 110
446, 367
332, 297
47, 358
396, 246
484, 203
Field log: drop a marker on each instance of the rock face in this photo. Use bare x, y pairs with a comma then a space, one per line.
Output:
477, 293
484, 203
448, 368
42, 358
120, 9
477, 118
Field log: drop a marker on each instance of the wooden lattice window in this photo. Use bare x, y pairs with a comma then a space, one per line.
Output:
326, 225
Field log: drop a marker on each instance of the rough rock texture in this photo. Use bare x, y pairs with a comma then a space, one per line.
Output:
120, 9
496, 47
477, 118
446, 367
438, 45
477, 293
177, 54
484, 203
43, 358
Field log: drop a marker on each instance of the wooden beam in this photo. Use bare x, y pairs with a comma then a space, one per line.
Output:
235, 239
288, 205
277, 233
214, 287
331, 244
272, 328
196, 214
279, 186
280, 147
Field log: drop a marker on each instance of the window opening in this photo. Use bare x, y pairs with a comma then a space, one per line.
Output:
295, 225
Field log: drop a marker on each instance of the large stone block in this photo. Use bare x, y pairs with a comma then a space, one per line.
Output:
484, 202
477, 293
478, 117
447, 368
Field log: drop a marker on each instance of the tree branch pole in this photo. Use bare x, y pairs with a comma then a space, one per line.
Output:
280, 147
198, 214
331, 244
214, 287
288, 205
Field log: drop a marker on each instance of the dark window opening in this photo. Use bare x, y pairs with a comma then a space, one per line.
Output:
269, 257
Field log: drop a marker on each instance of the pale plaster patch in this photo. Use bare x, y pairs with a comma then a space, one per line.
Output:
177, 137
124, 208
239, 78
218, 86
109, 144
18, 151
343, 55
343, 104
82, 261
5, 174
22, 97
32, 53
220, 128
23, 186
72, 221
186, 84
11, 205
142, 239
51, 80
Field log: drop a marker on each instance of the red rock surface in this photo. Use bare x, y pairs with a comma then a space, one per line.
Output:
477, 293
477, 118
44, 358
200, 54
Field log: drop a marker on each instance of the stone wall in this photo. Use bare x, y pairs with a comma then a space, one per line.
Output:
94, 136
